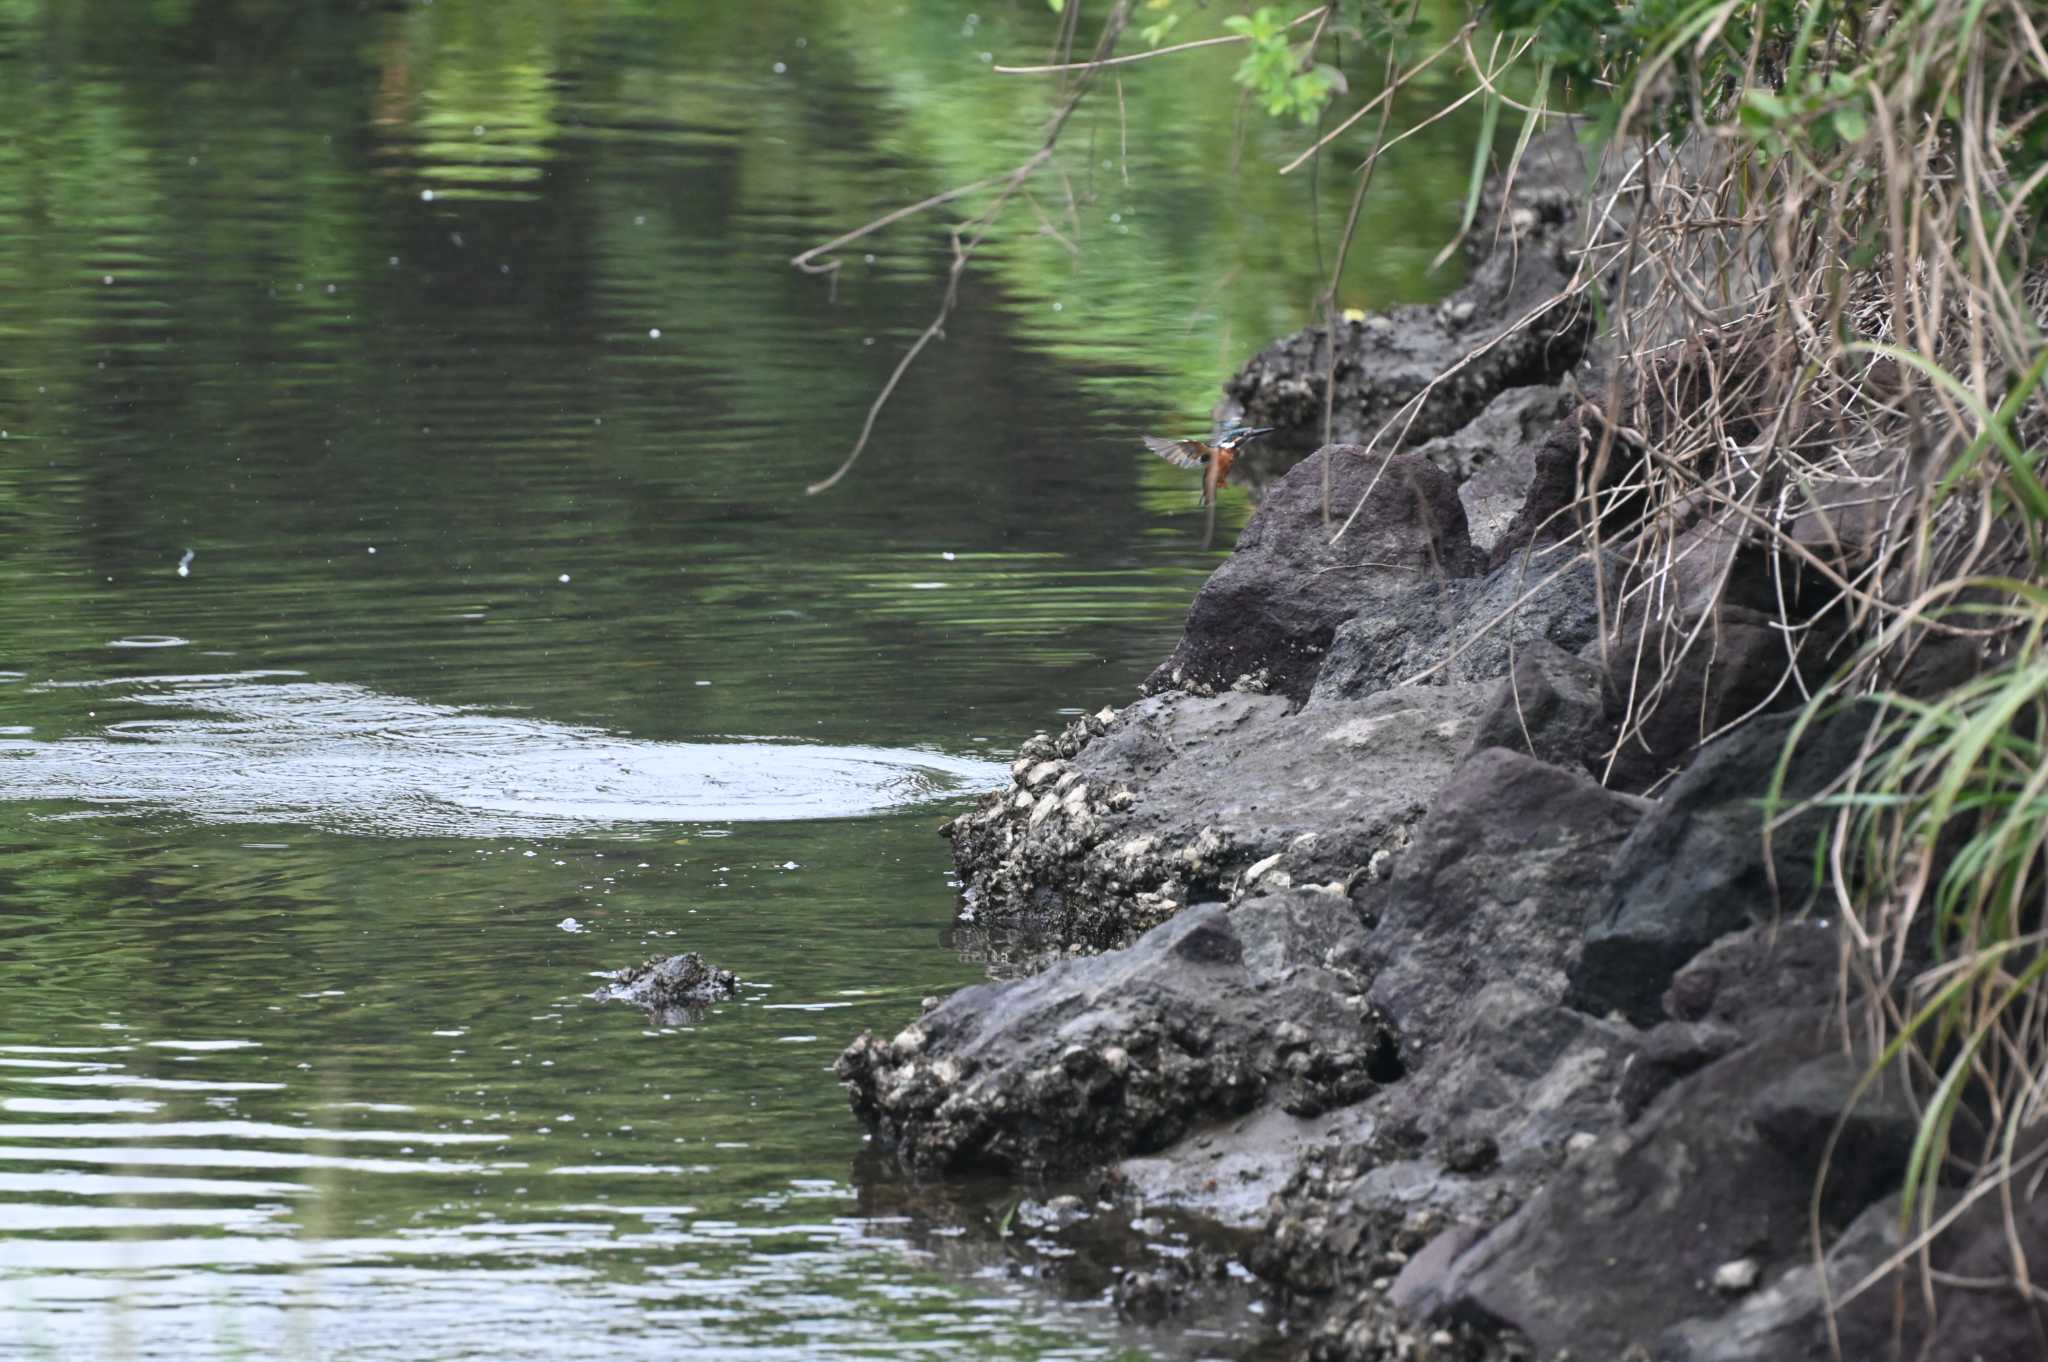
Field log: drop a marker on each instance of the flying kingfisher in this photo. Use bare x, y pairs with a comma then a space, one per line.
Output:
1214, 459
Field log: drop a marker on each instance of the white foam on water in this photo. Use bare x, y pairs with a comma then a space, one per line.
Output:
256, 748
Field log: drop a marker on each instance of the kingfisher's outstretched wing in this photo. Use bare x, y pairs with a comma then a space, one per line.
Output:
1185, 453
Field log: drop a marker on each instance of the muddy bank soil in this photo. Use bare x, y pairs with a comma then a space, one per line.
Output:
1370, 934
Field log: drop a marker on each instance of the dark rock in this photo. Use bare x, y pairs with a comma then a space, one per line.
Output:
1231, 784
1696, 869
1419, 1288
1551, 509
2007, 1320
1669, 1052
1624, 1241
1229, 1171
1497, 885
1493, 457
1697, 644
1471, 1154
1747, 979
1472, 937
1326, 1235
674, 985
1746, 987
1123, 1053
1793, 1319
1460, 630
1845, 517
1497, 435
1667, 693
1264, 618
1936, 665
1823, 1117
1551, 707
1339, 1244
1384, 362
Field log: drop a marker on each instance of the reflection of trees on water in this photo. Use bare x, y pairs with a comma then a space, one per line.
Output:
395, 276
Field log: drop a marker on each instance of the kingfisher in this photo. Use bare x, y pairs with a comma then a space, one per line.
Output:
1214, 460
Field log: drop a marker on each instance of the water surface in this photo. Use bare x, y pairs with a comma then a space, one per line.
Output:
409, 607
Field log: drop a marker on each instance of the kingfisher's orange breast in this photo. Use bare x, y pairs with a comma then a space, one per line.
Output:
1219, 469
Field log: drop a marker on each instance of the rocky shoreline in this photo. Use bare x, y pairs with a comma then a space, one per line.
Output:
1419, 918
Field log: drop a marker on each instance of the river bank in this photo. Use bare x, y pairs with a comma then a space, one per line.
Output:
1419, 918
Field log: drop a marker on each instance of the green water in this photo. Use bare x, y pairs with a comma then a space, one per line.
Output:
452, 351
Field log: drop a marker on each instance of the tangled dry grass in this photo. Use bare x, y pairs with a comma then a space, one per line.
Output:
1819, 238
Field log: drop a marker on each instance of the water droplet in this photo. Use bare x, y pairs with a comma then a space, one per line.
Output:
563, 578
426, 196
780, 68
107, 279
373, 548
654, 333
949, 555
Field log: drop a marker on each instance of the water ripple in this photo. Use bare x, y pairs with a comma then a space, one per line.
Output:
253, 749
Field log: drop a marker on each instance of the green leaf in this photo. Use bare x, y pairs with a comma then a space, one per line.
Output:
1850, 123
1763, 110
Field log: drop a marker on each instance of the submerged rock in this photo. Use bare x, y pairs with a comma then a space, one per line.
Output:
670, 984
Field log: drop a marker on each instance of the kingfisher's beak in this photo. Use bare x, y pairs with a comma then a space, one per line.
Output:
1255, 434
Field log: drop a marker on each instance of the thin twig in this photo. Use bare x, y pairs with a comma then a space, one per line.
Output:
963, 251
806, 260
